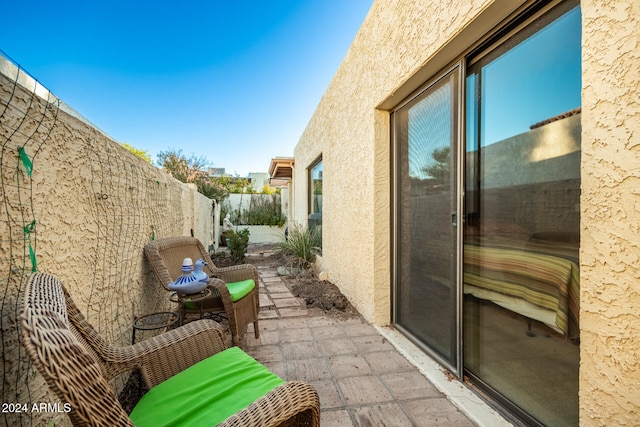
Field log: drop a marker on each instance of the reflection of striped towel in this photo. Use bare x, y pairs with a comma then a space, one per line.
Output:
546, 280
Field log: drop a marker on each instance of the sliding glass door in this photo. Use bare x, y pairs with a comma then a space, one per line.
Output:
493, 292
521, 275
427, 239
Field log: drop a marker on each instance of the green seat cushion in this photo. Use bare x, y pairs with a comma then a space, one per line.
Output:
206, 393
239, 290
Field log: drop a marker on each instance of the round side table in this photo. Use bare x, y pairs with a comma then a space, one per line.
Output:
153, 321
181, 299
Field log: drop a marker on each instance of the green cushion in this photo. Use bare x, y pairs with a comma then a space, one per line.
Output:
239, 290
206, 393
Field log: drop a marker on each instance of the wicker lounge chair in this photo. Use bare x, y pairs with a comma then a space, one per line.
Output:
166, 255
77, 365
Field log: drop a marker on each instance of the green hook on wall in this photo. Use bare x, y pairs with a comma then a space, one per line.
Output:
32, 254
26, 161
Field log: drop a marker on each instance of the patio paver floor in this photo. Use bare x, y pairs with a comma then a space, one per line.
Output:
361, 379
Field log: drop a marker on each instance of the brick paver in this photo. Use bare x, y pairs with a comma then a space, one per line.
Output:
361, 379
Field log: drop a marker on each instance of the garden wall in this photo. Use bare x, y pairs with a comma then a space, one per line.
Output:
86, 207
265, 233
244, 203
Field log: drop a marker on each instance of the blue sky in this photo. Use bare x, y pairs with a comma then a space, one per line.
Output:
235, 82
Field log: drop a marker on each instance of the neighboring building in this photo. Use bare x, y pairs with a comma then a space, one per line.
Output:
216, 172
258, 180
281, 167
475, 170
281, 172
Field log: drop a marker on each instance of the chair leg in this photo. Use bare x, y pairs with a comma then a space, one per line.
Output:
256, 312
235, 330
530, 332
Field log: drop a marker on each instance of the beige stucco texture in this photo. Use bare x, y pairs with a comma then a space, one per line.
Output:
610, 249
397, 45
400, 46
95, 205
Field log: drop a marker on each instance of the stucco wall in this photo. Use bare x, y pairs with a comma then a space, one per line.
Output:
610, 250
402, 44
350, 129
95, 205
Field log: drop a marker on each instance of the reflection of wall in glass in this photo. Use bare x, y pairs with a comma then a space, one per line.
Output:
547, 153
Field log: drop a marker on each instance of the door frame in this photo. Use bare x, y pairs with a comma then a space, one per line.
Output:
458, 66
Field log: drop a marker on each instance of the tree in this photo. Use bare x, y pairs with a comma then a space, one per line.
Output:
267, 189
235, 184
441, 169
211, 188
181, 167
140, 153
192, 170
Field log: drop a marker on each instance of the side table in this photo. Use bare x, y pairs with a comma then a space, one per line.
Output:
153, 321
181, 299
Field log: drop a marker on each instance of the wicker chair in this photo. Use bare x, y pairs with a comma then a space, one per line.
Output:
166, 255
77, 363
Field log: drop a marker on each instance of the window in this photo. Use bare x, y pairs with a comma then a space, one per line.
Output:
315, 194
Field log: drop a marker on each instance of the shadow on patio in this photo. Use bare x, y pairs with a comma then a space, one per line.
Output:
361, 378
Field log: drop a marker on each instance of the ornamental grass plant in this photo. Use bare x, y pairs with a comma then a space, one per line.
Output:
301, 245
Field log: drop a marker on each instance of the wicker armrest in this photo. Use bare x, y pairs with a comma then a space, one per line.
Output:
237, 273
293, 403
165, 355
219, 288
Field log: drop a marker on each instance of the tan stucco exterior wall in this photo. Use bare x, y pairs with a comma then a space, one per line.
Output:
95, 205
398, 42
610, 250
402, 44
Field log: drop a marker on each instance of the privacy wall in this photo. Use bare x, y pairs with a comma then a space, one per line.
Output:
74, 203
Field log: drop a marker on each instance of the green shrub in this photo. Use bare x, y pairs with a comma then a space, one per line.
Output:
238, 243
264, 209
301, 245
